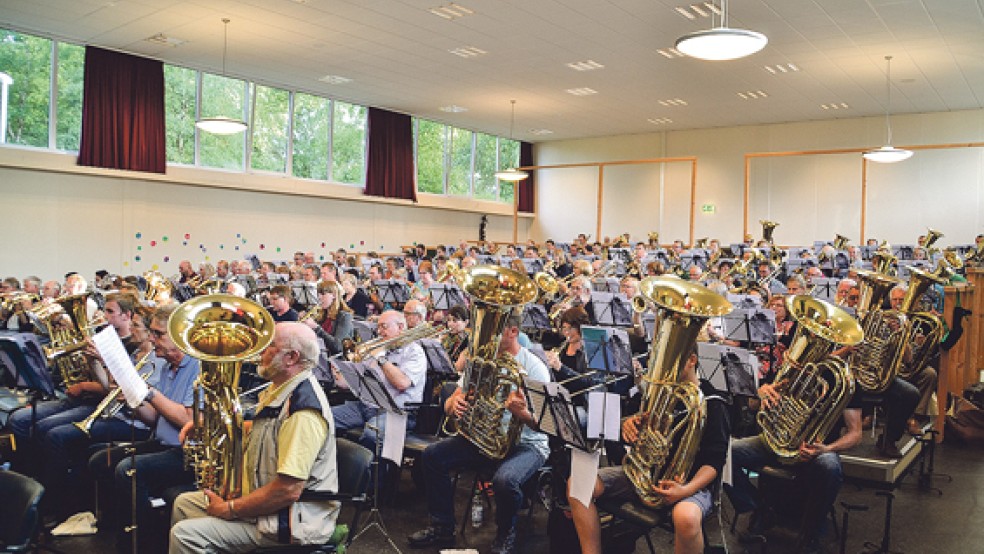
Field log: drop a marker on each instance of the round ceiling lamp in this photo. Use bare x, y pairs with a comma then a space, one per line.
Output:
511, 174
888, 154
722, 42
221, 125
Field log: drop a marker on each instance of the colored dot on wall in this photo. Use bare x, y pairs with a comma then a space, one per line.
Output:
322, 258
187, 235
206, 258
221, 247
362, 243
126, 264
238, 235
322, 245
153, 243
164, 239
262, 246
244, 241
351, 246
237, 248
155, 267
184, 243
137, 258
140, 248
139, 235
278, 249
167, 259
201, 246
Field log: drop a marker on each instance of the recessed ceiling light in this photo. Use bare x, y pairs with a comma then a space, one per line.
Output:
451, 11
467, 51
453, 109
335, 80
672, 102
587, 65
781, 68
702, 9
583, 91
835, 106
752, 95
541, 132
659, 120
161, 38
670, 53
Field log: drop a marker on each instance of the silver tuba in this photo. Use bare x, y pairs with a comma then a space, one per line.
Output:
672, 412
496, 294
222, 331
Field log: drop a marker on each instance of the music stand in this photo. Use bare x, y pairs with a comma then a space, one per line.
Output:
182, 292
554, 414
304, 292
274, 278
604, 284
445, 295
606, 349
649, 325
394, 293
620, 255
485, 259
824, 288
247, 282
750, 325
744, 300
366, 385
363, 331
535, 318
438, 361
533, 265
867, 252
728, 368
903, 251
611, 309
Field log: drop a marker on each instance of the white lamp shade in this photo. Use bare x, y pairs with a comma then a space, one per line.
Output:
887, 154
512, 174
221, 125
721, 43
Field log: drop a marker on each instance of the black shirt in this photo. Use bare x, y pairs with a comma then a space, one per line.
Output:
359, 304
289, 315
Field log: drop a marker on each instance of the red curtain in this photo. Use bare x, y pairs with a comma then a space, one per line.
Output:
527, 198
389, 168
122, 112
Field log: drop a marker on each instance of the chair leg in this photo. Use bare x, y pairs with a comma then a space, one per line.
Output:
649, 542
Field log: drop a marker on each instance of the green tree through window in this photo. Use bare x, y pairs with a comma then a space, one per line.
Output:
222, 96
270, 123
180, 85
71, 70
27, 60
348, 146
312, 131
430, 156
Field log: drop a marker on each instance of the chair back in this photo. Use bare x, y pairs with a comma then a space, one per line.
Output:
18, 511
353, 467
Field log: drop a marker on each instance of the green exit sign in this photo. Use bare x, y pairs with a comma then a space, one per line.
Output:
707, 208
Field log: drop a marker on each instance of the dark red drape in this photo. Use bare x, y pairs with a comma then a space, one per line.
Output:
527, 198
122, 112
389, 166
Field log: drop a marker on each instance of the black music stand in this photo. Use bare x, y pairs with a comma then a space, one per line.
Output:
611, 309
607, 351
274, 278
182, 292
304, 292
824, 288
533, 265
535, 319
445, 295
903, 251
746, 301
247, 282
688, 259
438, 361
750, 326
554, 414
367, 386
867, 252
394, 293
485, 259
604, 284
649, 324
728, 369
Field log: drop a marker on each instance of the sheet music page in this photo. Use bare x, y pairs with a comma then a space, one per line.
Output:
727, 469
120, 366
584, 473
538, 400
394, 436
604, 415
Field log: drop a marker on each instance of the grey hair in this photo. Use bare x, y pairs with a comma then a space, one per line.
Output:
300, 339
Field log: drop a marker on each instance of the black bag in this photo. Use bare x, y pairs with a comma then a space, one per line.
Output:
975, 393
966, 424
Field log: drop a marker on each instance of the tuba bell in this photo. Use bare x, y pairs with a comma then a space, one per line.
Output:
672, 413
876, 361
924, 330
496, 294
841, 242
222, 331
69, 327
814, 387
768, 229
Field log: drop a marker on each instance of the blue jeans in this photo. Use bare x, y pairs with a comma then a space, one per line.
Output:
47, 415
822, 477
453, 453
358, 415
64, 448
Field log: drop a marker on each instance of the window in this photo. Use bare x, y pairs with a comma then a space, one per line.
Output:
271, 121
27, 60
179, 113
348, 144
508, 157
430, 156
486, 185
222, 96
71, 75
459, 176
312, 133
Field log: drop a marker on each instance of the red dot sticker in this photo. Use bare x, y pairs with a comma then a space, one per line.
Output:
167, 258
153, 243
187, 235
262, 246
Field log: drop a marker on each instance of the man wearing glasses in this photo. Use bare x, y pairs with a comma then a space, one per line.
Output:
402, 371
415, 313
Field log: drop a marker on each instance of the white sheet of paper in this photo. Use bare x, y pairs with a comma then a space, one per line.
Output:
120, 366
584, 473
727, 469
604, 414
393, 437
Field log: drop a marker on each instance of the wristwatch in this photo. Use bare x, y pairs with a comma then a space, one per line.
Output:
381, 359
151, 393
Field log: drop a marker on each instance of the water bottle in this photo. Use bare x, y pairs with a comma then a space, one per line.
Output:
477, 510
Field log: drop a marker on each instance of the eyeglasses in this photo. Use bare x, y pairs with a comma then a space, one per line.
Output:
157, 333
408, 314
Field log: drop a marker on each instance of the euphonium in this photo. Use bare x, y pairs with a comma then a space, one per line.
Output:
158, 287
221, 330
932, 235
653, 239
876, 361
840, 242
924, 331
547, 283
883, 261
813, 386
496, 294
768, 228
69, 328
672, 413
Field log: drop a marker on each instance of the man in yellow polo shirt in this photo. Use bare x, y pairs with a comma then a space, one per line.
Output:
289, 449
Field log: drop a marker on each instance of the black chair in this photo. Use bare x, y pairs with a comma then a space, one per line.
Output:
19, 511
354, 461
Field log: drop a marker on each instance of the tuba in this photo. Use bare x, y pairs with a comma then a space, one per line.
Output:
924, 330
814, 387
876, 361
768, 228
841, 242
496, 293
672, 413
69, 327
932, 236
222, 331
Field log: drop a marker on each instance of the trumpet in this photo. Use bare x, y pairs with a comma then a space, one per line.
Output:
316, 313
111, 404
451, 271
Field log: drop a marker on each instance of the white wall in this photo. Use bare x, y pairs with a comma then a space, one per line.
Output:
59, 217
812, 197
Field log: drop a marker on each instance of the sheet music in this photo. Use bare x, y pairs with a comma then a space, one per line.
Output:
120, 366
394, 436
538, 401
604, 415
584, 473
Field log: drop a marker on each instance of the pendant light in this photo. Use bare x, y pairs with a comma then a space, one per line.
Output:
888, 154
511, 174
722, 42
221, 125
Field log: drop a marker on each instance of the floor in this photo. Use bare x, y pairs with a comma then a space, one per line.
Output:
923, 521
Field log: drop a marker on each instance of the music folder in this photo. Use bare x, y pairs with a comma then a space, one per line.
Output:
437, 358
824, 288
620, 255
611, 309
445, 295
728, 368
535, 318
392, 291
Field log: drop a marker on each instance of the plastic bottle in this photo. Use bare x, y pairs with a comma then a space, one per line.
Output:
477, 510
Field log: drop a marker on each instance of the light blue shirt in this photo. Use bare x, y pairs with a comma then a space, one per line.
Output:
177, 384
534, 369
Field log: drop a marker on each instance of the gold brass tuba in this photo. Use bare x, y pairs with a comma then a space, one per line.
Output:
69, 327
672, 412
841, 242
876, 361
814, 387
496, 294
221, 330
768, 228
924, 330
